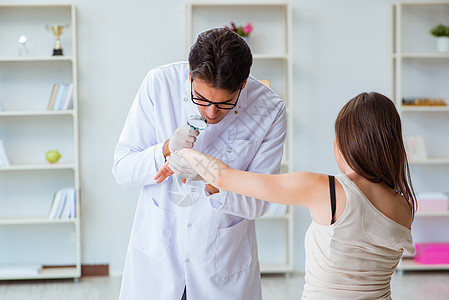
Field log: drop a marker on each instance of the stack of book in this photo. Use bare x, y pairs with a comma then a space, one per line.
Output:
61, 96
63, 205
4, 162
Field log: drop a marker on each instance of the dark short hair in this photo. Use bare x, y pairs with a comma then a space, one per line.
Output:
369, 135
221, 58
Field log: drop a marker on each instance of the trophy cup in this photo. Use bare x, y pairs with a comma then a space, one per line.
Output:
57, 30
23, 49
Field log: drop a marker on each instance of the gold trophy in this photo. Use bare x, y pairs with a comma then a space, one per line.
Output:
57, 30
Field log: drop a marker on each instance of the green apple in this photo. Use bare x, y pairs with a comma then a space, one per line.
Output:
53, 156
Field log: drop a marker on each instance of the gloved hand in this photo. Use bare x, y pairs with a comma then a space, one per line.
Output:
184, 137
180, 167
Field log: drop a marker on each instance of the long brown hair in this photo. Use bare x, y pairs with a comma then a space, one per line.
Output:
369, 134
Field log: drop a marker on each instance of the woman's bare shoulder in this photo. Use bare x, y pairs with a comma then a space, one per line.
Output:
387, 201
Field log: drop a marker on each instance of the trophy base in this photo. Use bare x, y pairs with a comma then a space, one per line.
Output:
57, 52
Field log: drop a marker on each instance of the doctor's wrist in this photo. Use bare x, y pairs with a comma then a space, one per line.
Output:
166, 150
209, 189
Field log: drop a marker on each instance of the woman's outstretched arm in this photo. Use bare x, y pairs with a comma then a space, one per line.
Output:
300, 188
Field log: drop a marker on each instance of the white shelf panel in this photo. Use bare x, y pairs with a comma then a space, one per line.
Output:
47, 272
430, 161
38, 167
36, 58
432, 214
280, 56
408, 264
227, 4
26, 113
410, 108
275, 268
421, 55
35, 220
276, 217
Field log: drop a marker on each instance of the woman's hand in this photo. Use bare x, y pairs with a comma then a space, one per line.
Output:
208, 167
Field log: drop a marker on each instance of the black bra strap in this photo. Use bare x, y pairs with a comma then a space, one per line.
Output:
332, 190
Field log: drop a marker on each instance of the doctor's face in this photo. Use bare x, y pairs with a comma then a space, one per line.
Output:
217, 100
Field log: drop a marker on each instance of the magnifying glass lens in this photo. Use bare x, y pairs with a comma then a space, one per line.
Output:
197, 122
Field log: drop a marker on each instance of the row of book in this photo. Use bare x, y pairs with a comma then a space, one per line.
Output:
424, 101
63, 205
61, 96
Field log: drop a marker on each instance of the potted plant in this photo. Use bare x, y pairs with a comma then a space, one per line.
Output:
441, 32
243, 31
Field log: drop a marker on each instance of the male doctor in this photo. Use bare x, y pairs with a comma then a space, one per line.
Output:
190, 240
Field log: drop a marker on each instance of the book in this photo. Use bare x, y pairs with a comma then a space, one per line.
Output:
60, 96
68, 97
63, 204
52, 96
57, 205
4, 162
69, 205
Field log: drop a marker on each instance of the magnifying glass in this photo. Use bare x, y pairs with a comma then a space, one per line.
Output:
197, 122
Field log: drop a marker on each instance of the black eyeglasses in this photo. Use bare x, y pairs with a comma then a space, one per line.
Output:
220, 105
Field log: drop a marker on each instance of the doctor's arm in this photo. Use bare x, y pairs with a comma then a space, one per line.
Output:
138, 154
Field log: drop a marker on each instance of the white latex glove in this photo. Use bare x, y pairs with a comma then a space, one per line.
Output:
180, 167
184, 137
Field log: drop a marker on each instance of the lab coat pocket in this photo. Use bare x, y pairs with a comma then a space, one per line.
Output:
232, 250
154, 230
238, 153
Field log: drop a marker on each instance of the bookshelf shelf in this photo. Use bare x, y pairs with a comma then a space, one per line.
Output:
431, 161
273, 268
270, 44
270, 56
38, 167
421, 55
432, 214
48, 273
424, 108
285, 217
419, 71
28, 130
36, 59
408, 264
37, 113
35, 221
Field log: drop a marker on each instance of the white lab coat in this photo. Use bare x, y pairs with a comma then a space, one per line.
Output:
180, 236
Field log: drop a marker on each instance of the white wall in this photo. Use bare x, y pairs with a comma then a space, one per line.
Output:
340, 48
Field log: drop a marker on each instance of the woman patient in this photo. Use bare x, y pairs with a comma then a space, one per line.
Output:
361, 221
